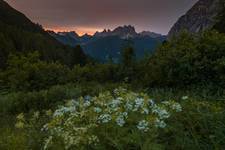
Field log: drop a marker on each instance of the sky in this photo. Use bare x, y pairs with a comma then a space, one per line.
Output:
89, 16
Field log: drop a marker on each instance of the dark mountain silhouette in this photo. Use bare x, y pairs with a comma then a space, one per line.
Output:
20, 35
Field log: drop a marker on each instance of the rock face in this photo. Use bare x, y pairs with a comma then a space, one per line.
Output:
200, 17
124, 32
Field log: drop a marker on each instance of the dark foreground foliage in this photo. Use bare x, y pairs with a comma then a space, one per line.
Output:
189, 65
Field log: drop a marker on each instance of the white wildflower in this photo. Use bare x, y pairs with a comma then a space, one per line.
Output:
151, 102
184, 98
177, 107
160, 123
162, 113
120, 121
143, 126
128, 106
97, 110
145, 111
173, 105
114, 104
75, 122
63, 110
105, 118
87, 103
139, 103
124, 114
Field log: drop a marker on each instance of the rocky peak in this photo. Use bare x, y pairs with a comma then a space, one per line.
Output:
150, 34
126, 31
200, 17
104, 33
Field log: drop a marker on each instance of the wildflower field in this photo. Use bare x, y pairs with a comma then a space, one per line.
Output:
108, 91
172, 99
120, 119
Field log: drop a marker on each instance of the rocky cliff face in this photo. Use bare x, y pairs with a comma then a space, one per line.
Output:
200, 17
123, 32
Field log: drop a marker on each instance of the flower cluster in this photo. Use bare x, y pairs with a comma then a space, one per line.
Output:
77, 122
104, 118
143, 125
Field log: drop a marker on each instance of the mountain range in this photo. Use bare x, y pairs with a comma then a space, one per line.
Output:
18, 34
107, 43
202, 16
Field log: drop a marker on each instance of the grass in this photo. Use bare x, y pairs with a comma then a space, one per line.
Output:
201, 124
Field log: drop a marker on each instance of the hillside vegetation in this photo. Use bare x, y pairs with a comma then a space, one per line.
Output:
53, 97
19, 35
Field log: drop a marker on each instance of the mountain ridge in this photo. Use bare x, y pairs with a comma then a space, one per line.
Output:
200, 17
111, 42
18, 34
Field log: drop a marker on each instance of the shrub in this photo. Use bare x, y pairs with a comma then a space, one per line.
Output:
26, 101
201, 125
188, 60
101, 73
118, 120
16, 102
28, 73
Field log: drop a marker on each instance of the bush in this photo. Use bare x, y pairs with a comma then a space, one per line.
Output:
16, 102
44, 99
188, 60
28, 73
121, 120
101, 73
201, 125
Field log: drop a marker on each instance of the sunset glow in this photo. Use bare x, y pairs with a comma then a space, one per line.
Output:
79, 30
89, 16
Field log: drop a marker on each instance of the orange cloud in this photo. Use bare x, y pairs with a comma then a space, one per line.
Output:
79, 30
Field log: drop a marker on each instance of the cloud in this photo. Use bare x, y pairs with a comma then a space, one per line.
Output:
154, 15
